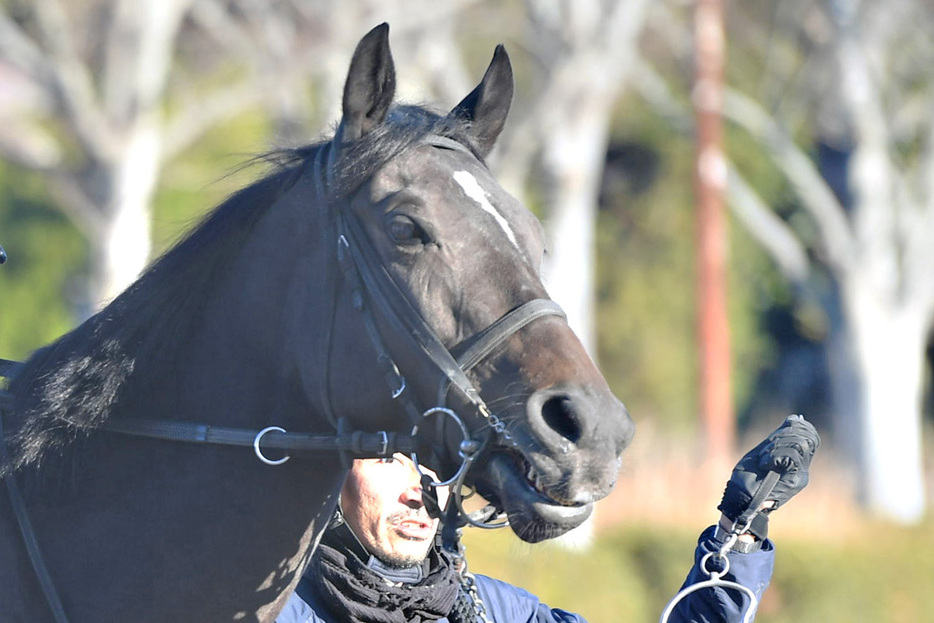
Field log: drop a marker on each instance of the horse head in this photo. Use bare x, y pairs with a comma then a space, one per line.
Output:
447, 260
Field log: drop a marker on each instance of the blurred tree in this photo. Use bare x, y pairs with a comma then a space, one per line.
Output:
841, 105
101, 94
582, 51
96, 75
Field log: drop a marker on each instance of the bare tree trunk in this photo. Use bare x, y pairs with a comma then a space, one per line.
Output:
888, 349
135, 74
586, 49
109, 106
888, 308
573, 162
126, 192
716, 400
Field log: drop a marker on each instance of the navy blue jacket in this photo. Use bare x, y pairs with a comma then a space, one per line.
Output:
506, 603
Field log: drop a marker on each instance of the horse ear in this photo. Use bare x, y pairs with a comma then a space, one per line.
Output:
487, 105
370, 86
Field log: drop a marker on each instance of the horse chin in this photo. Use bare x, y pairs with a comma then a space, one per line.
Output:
533, 515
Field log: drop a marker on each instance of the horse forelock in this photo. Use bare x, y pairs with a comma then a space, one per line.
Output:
405, 126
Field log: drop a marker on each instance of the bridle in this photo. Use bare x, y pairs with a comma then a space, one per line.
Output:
372, 287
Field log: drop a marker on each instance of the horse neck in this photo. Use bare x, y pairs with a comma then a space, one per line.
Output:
260, 347
197, 532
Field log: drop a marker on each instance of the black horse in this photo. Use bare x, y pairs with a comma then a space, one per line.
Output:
357, 261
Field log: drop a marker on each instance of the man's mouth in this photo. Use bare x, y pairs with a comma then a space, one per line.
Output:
414, 528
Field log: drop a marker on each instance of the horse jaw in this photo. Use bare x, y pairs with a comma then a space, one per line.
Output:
533, 515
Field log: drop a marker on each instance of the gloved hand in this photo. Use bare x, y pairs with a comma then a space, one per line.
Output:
771, 473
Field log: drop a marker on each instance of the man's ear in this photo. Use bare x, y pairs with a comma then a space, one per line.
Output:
487, 105
370, 86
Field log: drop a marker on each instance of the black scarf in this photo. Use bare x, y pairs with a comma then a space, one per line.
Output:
352, 592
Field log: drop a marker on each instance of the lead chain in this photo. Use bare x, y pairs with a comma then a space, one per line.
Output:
498, 425
468, 582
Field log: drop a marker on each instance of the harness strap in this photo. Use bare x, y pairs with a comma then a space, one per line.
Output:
394, 379
482, 344
334, 288
370, 279
357, 443
323, 172
374, 288
385, 294
22, 518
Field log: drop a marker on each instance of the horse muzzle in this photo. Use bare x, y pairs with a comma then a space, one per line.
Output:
565, 457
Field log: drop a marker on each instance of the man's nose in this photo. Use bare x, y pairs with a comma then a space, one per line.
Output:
412, 495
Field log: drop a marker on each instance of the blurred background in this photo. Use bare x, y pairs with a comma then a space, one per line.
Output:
739, 200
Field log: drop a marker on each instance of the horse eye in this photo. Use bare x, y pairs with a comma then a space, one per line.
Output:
403, 230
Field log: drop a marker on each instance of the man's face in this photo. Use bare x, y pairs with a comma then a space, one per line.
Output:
382, 503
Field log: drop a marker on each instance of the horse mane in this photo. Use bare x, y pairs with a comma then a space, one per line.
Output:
69, 387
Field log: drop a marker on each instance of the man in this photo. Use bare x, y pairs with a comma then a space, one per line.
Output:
379, 563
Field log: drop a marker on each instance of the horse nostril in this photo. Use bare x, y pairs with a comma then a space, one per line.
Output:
561, 416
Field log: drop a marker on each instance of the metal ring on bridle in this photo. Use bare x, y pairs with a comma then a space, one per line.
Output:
468, 451
259, 453
398, 392
458, 491
465, 437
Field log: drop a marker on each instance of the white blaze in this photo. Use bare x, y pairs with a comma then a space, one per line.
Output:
470, 185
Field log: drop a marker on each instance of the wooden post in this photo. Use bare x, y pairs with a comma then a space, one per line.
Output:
710, 180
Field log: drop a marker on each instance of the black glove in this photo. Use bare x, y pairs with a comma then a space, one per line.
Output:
774, 471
